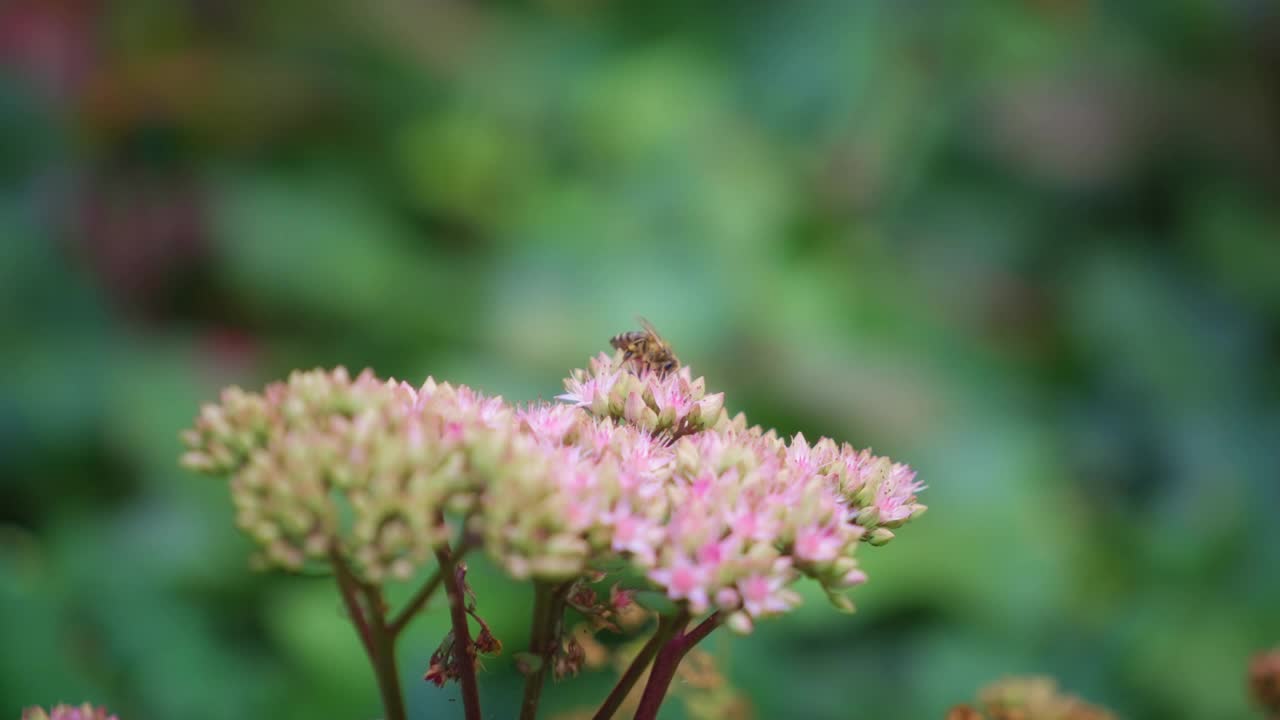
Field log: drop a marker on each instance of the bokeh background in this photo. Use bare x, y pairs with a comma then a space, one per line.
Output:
1032, 248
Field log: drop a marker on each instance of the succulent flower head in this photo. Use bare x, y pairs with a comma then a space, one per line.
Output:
324, 463
636, 466
68, 712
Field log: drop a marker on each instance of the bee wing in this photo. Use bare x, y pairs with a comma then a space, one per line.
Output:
648, 327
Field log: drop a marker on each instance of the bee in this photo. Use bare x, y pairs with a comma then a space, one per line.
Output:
646, 349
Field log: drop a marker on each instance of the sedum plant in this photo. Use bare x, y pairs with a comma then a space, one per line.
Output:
68, 712
637, 472
1028, 698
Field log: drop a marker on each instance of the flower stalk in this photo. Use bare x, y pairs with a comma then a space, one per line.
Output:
383, 645
544, 635
449, 570
369, 618
667, 628
641, 469
349, 588
668, 661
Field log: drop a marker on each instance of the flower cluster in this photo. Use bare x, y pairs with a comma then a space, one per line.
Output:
554, 504
325, 463
67, 712
715, 513
1028, 698
751, 513
637, 466
673, 403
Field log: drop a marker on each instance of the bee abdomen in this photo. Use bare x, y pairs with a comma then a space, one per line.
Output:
622, 340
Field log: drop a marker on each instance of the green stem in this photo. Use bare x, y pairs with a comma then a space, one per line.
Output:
461, 633
548, 611
666, 629
542, 593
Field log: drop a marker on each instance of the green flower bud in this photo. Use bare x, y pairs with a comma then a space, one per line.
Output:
880, 536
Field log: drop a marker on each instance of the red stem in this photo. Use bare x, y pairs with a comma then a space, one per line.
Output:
695, 636
461, 634
348, 586
668, 661
383, 645
666, 628
379, 643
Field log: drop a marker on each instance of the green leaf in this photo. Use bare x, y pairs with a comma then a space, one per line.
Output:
656, 601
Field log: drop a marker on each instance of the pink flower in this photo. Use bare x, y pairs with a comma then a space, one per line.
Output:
671, 393
454, 431
549, 423
763, 594
858, 468
599, 435
817, 544
897, 493
492, 412
751, 522
702, 484
634, 409
684, 581
799, 458
586, 389
727, 599
712, 554
634, 534
641, 459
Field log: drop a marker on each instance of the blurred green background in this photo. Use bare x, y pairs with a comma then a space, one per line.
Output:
1032, 248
